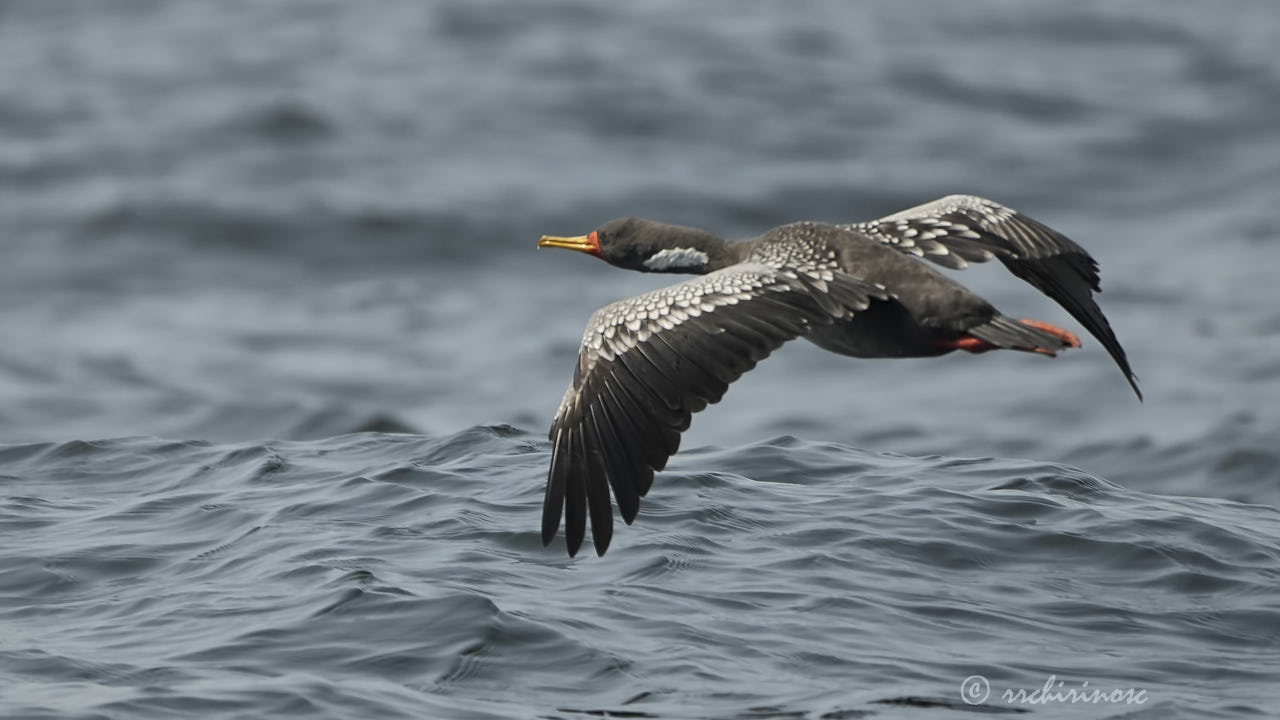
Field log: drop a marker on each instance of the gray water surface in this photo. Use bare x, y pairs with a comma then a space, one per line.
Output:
277, 357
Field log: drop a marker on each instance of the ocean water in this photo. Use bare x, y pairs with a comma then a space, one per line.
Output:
278, 355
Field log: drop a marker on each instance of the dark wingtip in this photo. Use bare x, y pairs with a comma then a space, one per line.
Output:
550, 521
629, 514
1118, 355
1066, 279
1133, 383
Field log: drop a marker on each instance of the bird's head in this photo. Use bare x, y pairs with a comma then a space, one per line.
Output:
647, 246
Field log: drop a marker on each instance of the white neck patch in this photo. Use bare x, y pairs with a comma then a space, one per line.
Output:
676, 258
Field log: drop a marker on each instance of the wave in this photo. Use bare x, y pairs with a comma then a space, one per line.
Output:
396, 573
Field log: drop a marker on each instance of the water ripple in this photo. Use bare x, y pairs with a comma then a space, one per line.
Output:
406, 571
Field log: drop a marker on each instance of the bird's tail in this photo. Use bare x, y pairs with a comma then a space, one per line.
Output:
1025, 335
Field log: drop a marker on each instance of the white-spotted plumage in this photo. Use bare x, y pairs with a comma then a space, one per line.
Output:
956, 230
676, 259
647, 363
959, 229
617, 327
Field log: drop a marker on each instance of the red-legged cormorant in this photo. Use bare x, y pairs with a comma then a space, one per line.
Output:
649, 362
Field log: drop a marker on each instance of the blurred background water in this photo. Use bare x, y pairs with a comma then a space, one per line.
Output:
277, 355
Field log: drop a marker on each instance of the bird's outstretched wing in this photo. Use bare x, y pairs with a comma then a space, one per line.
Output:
958, 229
649, 362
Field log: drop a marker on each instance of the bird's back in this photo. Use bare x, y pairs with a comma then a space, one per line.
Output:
928, 296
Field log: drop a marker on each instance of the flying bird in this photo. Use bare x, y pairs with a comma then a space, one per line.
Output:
647, 363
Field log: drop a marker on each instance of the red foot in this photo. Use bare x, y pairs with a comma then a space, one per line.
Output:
1067, 337
968, 344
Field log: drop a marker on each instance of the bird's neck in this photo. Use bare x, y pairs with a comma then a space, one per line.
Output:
690, 251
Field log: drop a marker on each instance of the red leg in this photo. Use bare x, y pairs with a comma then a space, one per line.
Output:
968, 344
